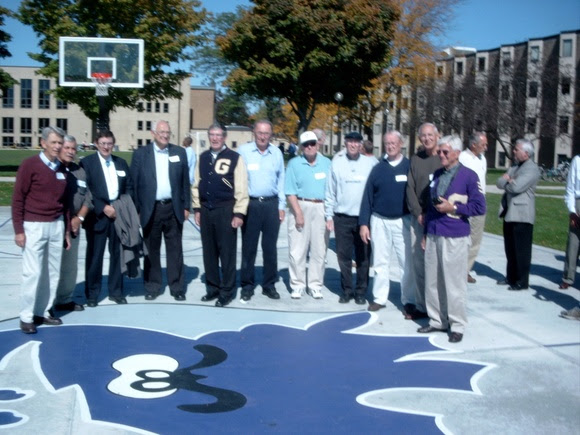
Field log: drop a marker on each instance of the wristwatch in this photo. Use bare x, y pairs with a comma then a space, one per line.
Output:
81, 218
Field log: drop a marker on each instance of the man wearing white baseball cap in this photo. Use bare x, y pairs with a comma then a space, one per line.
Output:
305, 189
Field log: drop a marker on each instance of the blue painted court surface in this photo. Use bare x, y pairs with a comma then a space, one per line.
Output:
287, 366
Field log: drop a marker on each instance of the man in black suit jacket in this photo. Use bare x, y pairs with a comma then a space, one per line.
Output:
108, 178
162, 197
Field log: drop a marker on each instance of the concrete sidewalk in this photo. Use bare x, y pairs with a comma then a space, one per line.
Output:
530, 383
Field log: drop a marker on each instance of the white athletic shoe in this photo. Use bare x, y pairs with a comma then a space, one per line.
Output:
296, 294
316, 293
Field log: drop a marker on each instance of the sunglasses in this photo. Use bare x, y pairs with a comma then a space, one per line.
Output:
444, 152
309, 144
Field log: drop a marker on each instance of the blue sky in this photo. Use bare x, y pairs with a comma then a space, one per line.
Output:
482, 24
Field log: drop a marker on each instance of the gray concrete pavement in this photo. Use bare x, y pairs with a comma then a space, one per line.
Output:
531, 383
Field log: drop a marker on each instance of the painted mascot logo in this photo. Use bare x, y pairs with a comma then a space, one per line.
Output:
263, 378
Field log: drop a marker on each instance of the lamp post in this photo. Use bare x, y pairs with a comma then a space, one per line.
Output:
338, 98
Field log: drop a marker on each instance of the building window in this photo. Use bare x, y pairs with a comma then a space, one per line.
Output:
7, 125
139, 143
26, 141
534, 54
531, 125
26, 94
501, 159
567, 48
459, 68
481, 64
140, 125
157, 107
61, 105
8, 98
506, 57
43, 95
533, 91
566, 82
140, 106
439, 70
405, 129
149, 107
405, 104
7, 141
42, 124
25, 125
563, 125
148, 125
62, 123
505, 92
165, 107
421, 101
234, 144
391, 104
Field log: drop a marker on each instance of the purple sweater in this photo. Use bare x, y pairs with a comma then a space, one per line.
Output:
39, 194
465, 183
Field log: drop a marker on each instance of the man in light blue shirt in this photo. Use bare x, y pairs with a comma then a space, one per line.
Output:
572, 199
306, 177
266, 210
344, 192
191, 158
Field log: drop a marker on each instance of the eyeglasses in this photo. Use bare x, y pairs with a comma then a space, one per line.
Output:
163, 133
444, 152
262, 133
106, 144
309, 144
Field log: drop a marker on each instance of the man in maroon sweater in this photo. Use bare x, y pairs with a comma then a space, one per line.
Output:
39, 213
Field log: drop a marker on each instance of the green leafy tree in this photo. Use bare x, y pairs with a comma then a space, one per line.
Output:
168, 28
232, 109
307, 50
6, 79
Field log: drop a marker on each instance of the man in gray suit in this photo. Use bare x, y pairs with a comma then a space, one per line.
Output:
518, 208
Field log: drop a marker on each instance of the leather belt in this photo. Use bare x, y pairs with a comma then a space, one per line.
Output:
316, 201
263, 198
163, 201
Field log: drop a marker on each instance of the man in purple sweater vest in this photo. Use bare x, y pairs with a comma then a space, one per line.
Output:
39, 214
456, 195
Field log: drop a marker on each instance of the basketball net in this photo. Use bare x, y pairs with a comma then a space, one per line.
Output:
102, 82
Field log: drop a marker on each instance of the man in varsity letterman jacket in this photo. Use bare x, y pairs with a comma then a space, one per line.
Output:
220, 202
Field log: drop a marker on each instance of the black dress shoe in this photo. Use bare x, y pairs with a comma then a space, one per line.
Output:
455, 337
222, 302
373, 306
271, 293
150, 296
246, 296
121, 300
360, 300
92, 304
48, 320
179, 296
517, 288
427, 329
69, 306
208, 298
27, 328
344, 299
502, 282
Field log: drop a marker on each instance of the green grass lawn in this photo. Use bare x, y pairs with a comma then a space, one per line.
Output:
10, 159
550, 229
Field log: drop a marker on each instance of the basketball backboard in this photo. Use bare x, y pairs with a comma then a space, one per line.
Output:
81, 59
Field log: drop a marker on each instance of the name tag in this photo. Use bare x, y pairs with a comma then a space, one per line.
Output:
430, 177
174, 159
253, 167
400, 178
81, 183
320, 176
60, 176
120, 173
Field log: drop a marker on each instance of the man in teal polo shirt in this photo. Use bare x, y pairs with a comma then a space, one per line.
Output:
305, 189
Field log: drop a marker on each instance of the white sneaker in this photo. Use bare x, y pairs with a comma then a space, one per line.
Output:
316, 293
296, 294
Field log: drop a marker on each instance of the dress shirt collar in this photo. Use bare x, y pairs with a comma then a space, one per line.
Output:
52, 165
159, 150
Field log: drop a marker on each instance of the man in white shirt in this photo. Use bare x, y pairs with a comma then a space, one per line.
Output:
474, 158
572, 199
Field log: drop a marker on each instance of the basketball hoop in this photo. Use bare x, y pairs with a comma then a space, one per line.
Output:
102, 82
